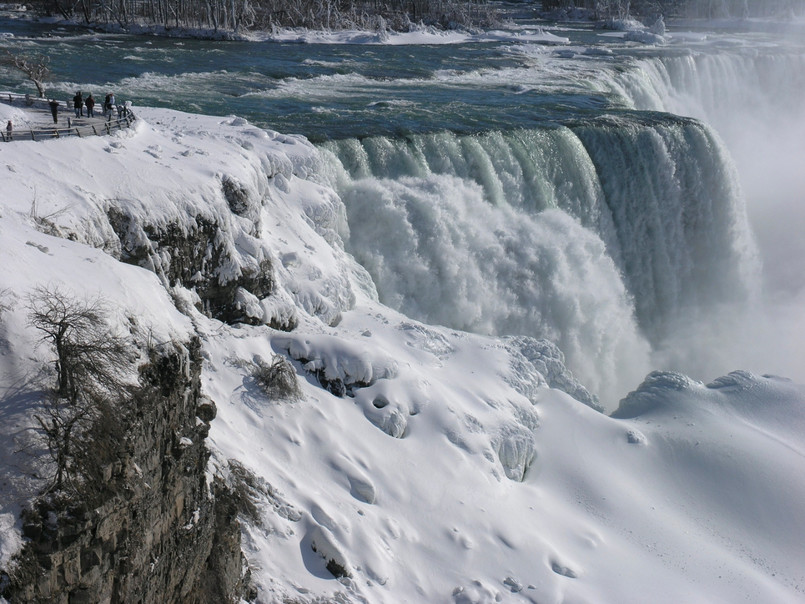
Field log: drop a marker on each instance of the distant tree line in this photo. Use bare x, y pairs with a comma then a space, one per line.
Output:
601, 9
237, 15
222, 16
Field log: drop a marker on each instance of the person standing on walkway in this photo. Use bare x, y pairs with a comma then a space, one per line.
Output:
108, 104
54, 109
78, 104
9, 129
90, 103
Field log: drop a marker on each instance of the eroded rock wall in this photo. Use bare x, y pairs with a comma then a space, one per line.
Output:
160, 532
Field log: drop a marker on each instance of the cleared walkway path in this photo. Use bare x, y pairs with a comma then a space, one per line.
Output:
42, 127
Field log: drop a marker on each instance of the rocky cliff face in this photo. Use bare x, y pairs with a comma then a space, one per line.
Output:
156, 530
216, 253
194, 254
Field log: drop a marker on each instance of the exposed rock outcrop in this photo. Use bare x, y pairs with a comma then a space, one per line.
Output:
160, 532
195, 254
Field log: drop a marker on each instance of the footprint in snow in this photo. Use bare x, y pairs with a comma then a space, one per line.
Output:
362, 489
635, 437
565, 571
513, 584
41, 248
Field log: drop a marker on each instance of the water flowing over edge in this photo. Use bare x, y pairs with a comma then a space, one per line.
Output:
600, 235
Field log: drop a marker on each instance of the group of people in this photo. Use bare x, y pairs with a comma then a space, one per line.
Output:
79, 102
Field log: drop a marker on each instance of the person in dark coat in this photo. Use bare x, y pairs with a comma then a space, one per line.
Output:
90, 103
54, 109
10, 129
78, 104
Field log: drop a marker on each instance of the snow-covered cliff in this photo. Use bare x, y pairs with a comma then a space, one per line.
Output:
419, 464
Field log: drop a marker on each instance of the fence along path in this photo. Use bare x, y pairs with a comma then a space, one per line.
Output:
76, 126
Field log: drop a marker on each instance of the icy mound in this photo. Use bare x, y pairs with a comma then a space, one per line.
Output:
340, 366
635, 31
655, 392
549, 362
190, 209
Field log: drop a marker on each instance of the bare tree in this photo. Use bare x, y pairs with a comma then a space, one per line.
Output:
88, 354
36, 67
90, 364
612, 9
225, 17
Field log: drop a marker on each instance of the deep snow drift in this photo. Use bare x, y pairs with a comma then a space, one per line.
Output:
460, 468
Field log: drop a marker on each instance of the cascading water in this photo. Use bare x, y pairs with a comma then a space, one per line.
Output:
440, 251
531, 170
679, 221
753, 98
558, 233
733, 92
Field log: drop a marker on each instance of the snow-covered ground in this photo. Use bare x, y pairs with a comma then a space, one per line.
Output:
460, 469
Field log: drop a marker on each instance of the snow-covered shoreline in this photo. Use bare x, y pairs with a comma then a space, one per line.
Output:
454, 472
417, 34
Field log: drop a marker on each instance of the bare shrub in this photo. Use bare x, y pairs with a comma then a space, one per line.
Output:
253, 496
247, 491
278, 379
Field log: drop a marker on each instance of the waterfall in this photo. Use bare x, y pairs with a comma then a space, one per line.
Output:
722, 89
598, 236
679, 220
531, 170
754, 101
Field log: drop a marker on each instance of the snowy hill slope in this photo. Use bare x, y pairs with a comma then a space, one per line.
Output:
453, 467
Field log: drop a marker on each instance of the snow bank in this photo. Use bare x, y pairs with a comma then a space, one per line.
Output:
418, 35
632, 30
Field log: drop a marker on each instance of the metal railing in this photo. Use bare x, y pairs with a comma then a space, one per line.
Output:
26, 100
125, 118
44, 133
